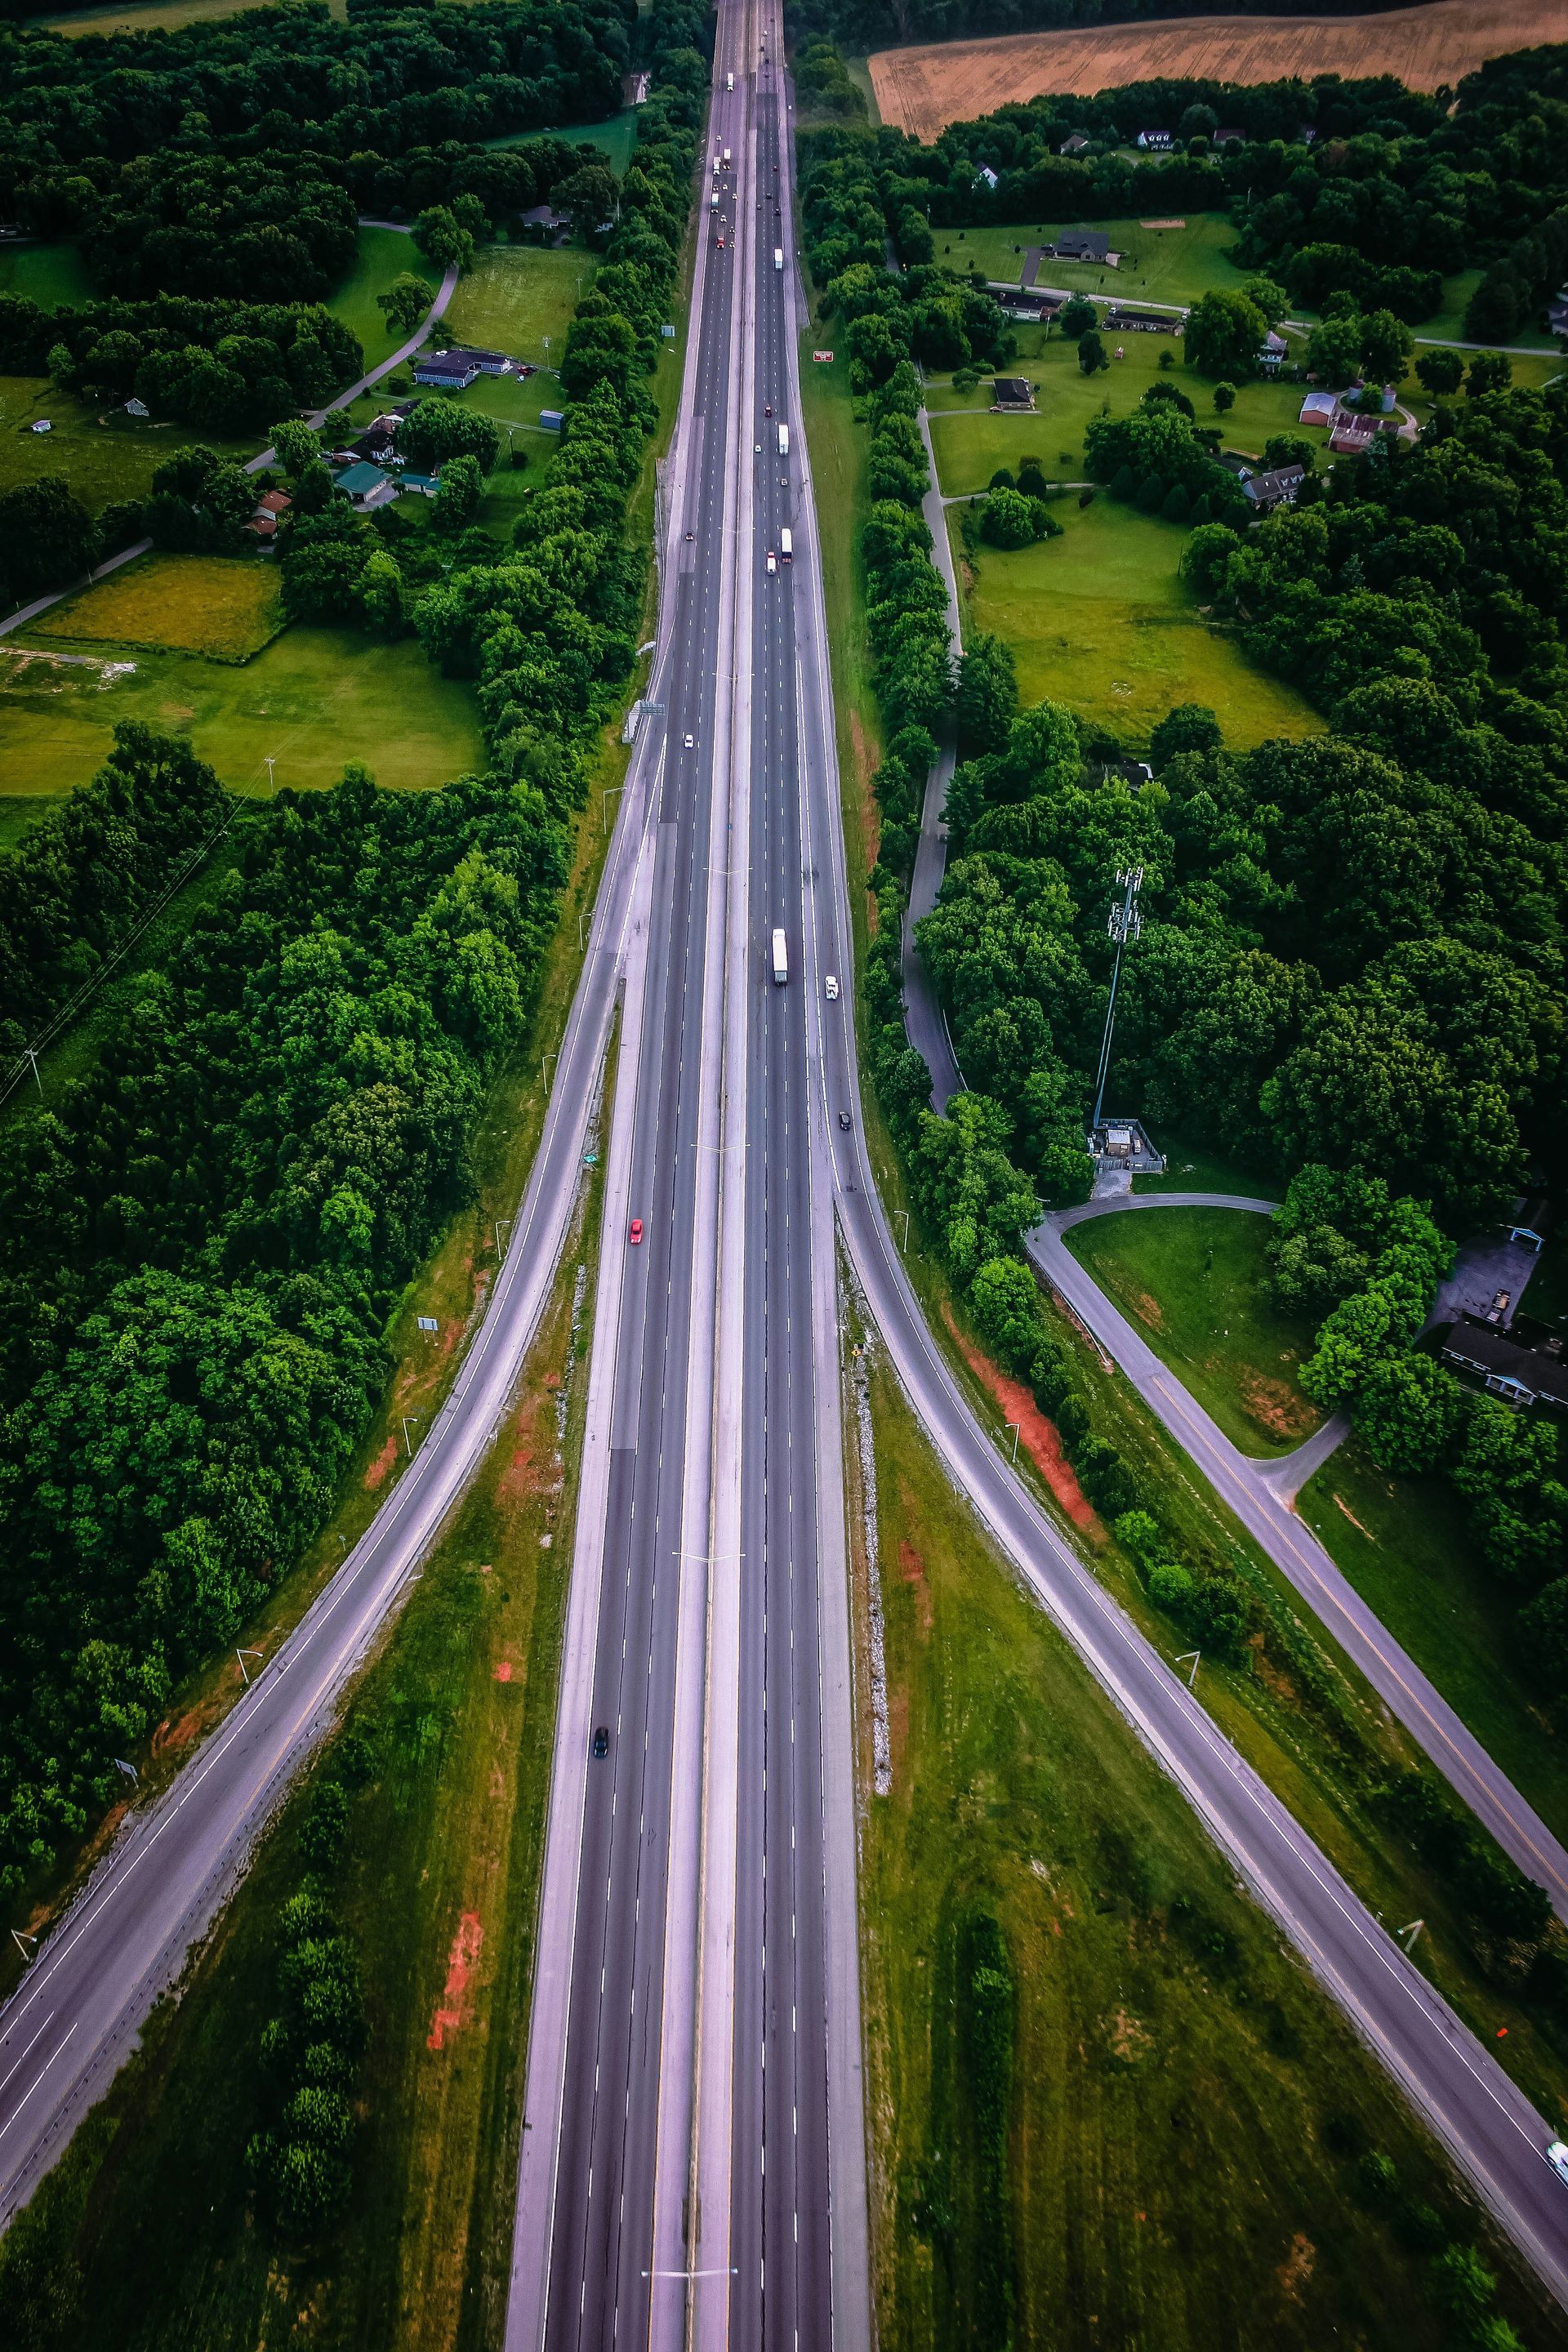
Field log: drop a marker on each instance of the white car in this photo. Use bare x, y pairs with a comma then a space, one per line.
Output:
1557, 2157
831, 989
690, 741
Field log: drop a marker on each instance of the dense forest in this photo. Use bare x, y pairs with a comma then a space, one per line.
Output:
232, 155
1350, 972
200, 1243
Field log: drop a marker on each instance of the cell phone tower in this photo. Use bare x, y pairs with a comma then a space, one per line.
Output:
1124, 924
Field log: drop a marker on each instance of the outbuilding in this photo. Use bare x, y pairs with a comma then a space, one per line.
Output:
367, 485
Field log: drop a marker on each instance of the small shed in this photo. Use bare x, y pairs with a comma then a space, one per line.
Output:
1012, 392
41, 425
366, 484
550, 419
137, 408
1318, 408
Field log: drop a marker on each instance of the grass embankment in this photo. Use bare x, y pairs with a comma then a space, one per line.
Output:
1179, 2095
1297, 1711
225, 607
1193, 1281
1404, 1545
441, 1895
159, 16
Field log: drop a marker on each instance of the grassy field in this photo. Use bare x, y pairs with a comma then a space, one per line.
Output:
103, 457
1158, 265
515, 296
1193, 1167
922, 90
225, 607
1178, 2084
161, 15
445, 1844
1401, 1542
972, 439
1099, 620
615, 137
1193, 1280
314, 699
384, 254
53, 276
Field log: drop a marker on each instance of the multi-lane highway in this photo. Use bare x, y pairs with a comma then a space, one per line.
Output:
678, 2155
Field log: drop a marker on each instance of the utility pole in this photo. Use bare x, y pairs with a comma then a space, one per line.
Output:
1124, 924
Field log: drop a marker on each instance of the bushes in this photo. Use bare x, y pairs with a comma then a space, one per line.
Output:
1210, 1606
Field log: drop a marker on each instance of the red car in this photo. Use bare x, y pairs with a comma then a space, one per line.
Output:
637, 1231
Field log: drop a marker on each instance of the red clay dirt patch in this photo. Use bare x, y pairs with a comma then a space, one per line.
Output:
1276, 1407
460, 1959
503, 1672
913, 1569
1039, 1438
376, 1474
171, 1737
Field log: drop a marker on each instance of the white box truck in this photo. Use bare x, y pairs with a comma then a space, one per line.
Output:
781, 959
714, 202
778, 256
726, 159
783, 440
729, 81
786, 547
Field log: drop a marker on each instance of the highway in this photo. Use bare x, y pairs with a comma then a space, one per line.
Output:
693, 2075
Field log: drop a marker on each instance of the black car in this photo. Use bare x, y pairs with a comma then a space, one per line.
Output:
844, 1121
602, 1740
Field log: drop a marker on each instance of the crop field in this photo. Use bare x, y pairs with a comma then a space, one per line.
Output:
1099, 620
921, 89
226, 607
50, 275
314, 699
514, 297
103, 457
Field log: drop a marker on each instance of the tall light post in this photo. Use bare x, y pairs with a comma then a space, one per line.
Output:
1124, 924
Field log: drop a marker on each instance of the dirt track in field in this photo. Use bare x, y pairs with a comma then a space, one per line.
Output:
922, 90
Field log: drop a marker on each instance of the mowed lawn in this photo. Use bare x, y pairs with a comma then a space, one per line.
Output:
971, 438
1193, 1281
53, 276
384, 253
226, 607
1100, 620
615, 137
315, 698
514, 297
1404, 1545
1158, 265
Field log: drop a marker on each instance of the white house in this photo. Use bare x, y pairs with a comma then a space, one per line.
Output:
985, 178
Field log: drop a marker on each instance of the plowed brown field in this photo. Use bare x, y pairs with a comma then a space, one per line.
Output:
922, 90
